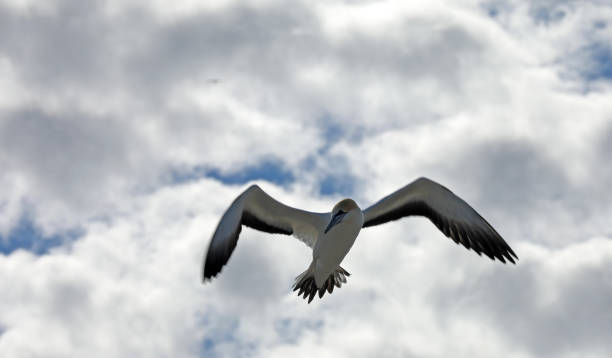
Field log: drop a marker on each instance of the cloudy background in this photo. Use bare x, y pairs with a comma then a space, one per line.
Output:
128, 127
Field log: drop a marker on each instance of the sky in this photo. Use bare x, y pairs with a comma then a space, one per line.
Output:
128, 127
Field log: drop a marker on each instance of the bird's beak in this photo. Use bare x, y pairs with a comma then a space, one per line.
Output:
335, 220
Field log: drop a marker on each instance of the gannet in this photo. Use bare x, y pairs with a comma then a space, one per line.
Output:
331, 235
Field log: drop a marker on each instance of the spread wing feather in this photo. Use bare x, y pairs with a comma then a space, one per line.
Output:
453, 216
258, 210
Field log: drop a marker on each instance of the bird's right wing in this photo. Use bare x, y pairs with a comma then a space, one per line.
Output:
453, 216
258, 210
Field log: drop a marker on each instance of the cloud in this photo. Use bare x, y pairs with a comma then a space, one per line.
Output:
549, 298
134, 282
127, 128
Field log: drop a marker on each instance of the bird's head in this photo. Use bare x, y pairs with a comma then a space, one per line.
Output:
342, 208
345, 205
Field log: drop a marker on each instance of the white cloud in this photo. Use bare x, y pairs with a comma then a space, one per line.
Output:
504, 102
132, 287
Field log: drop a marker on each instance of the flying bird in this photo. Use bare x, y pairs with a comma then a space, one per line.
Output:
331, 235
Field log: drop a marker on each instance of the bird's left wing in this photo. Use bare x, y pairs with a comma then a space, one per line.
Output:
453, 216
258, 210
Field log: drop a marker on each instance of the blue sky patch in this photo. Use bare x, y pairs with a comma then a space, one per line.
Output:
546, 16
494, 8
333, 132
337, 185
600, 25
208, 344
291, 330
27, 237
269, 170
223, 334
601, 57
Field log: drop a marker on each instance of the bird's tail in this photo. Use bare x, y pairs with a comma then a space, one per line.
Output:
307, 287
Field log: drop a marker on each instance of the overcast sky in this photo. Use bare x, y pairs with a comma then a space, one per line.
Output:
128, 127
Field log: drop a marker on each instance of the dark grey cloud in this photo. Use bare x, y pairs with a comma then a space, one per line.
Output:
75, 162
604, 147
69, 47
526, 193
539, 310
514, 175
81, 45
366, 54
81, 58
100, 110
242, 41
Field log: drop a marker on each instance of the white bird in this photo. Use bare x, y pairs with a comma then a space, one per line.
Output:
331, 235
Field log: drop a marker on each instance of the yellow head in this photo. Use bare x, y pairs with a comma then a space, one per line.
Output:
345, 205
342, 208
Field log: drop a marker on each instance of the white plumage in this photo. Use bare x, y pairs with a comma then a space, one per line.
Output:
331, 235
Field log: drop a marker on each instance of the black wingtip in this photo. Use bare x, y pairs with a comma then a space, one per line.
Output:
503, 256
512, 253
509, 257
207, 277
212, 268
